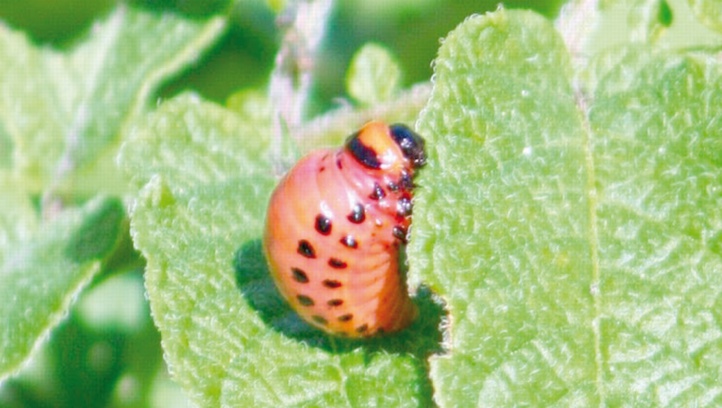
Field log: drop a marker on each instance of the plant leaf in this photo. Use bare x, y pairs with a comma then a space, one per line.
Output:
661, 212
63, 112
709, 12
40, 274
228, 336
579, 255
374, 75
661, 24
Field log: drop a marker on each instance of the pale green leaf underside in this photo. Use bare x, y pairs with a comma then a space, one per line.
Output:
708, 12
374, 75
59, 112
659, 23
41, 274
229, 338
579, 255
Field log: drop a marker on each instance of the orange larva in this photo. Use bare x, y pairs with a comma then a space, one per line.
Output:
334, 228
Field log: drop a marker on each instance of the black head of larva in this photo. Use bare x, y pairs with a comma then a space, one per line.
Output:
411, 144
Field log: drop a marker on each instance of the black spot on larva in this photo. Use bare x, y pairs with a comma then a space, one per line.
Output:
378, 192
358, 214
349, 241
363, 153
306, 249
337, 263
320, 320
362, 328
299, 275
323, 225
403, 207
406, 182
345, 318
305, 300
331, 283
339, 164
335, 302
400, 233
392, 186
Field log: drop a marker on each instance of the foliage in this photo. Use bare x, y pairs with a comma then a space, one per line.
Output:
566, 245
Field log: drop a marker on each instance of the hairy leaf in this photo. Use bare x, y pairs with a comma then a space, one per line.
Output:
41, 274
574, 238
229, 337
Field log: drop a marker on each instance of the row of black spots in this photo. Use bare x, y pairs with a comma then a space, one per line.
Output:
307, 301
405, 183
324, 225
322, 320
300, 276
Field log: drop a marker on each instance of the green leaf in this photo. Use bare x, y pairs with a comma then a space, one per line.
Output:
18, 219
61, 113
709, 12
42, 273
229, 338
575, 241
663, 206
61, 117
662, 24
374, 75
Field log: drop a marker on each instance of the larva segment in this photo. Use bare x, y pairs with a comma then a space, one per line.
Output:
332, 234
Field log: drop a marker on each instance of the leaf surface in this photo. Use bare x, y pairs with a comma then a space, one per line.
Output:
41, 273
229, 338
574, 240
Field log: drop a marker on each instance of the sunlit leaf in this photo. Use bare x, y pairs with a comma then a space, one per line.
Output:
576, 241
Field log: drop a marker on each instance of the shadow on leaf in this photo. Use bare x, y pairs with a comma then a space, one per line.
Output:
421, 339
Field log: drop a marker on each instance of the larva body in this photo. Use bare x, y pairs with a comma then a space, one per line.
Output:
334, 229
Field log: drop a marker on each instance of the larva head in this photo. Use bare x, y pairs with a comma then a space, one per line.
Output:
393, 149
